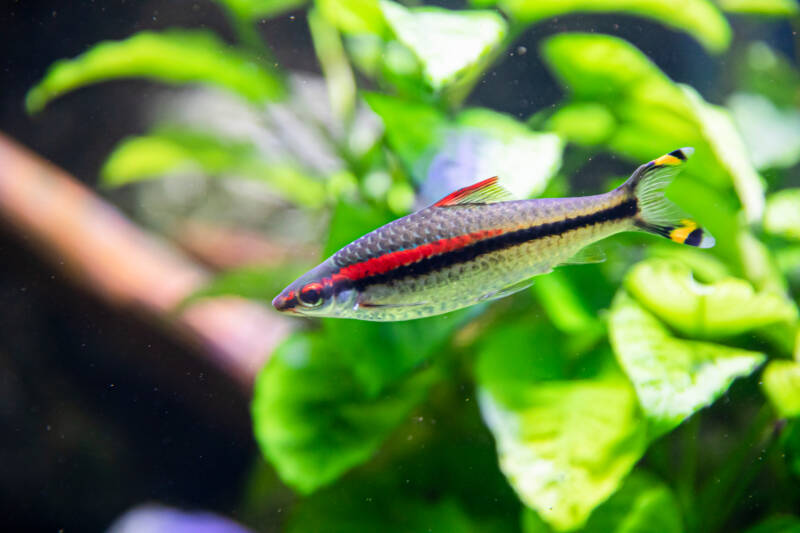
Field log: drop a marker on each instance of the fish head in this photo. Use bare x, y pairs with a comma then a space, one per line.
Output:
314, 294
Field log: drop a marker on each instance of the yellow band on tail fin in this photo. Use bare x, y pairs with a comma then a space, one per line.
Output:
667, 159
681, 233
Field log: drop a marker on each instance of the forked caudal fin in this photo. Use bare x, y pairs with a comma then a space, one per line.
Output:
658, 215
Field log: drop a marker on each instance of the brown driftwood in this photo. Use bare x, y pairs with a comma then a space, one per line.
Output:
109, 255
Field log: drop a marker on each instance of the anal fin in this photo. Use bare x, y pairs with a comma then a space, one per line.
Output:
508, 290
586, 256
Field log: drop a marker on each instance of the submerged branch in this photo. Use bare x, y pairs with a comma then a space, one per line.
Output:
128, 267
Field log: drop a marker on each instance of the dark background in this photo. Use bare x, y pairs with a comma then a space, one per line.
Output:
101, 410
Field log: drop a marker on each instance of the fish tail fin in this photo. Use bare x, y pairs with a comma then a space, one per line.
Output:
655, 213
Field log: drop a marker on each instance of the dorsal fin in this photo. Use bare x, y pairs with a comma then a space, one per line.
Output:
484, 192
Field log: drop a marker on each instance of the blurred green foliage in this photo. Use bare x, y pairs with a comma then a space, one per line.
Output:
592, 385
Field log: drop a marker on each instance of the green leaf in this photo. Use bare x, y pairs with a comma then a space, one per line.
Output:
171, 151
514, 355
256, 9
652, 115
567, 311
699, 18
777, 524
453, 46
351, 221
641, 505
524, 159
175, 56
413, 129
380, 353
720, 131
354, 16
724, 308
585, 123
673, 378
773, 8
444, 155
772, 135
783, 214
765, 71
313, 418
781, 382
256, 283
565, 446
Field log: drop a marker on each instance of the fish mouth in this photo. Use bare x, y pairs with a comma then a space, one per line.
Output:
286, 303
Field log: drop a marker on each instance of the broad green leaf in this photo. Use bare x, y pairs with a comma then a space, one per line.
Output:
256, 283
567, 311
174, 151
380, 353
453, 46
719, 130
705, 267
783, 214
351, 221
413, 129
446, 154
565, 446
514, 355
314, 419
781, 382
772, 135
777, 524
585, 123
643, 504
175, 56
652, 115
758, 265
765, 71
774, 8
256, 9
724, 308
354, 16
673, 378
699, 18
524, 159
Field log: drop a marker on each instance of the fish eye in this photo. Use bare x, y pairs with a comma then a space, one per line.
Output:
311, 295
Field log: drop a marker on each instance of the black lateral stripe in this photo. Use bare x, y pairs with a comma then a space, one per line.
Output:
625, 209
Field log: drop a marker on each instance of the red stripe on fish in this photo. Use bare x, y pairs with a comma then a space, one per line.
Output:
387, 262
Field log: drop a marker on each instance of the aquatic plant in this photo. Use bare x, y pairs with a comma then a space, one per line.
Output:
591, 401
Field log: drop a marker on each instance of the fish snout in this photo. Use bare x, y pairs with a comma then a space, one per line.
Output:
285, 302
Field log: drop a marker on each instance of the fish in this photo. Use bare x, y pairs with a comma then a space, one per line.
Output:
477, 245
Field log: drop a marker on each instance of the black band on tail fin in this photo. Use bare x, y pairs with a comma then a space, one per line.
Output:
658, 215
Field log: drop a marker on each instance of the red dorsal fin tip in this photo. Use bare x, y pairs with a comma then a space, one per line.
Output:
484, 192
